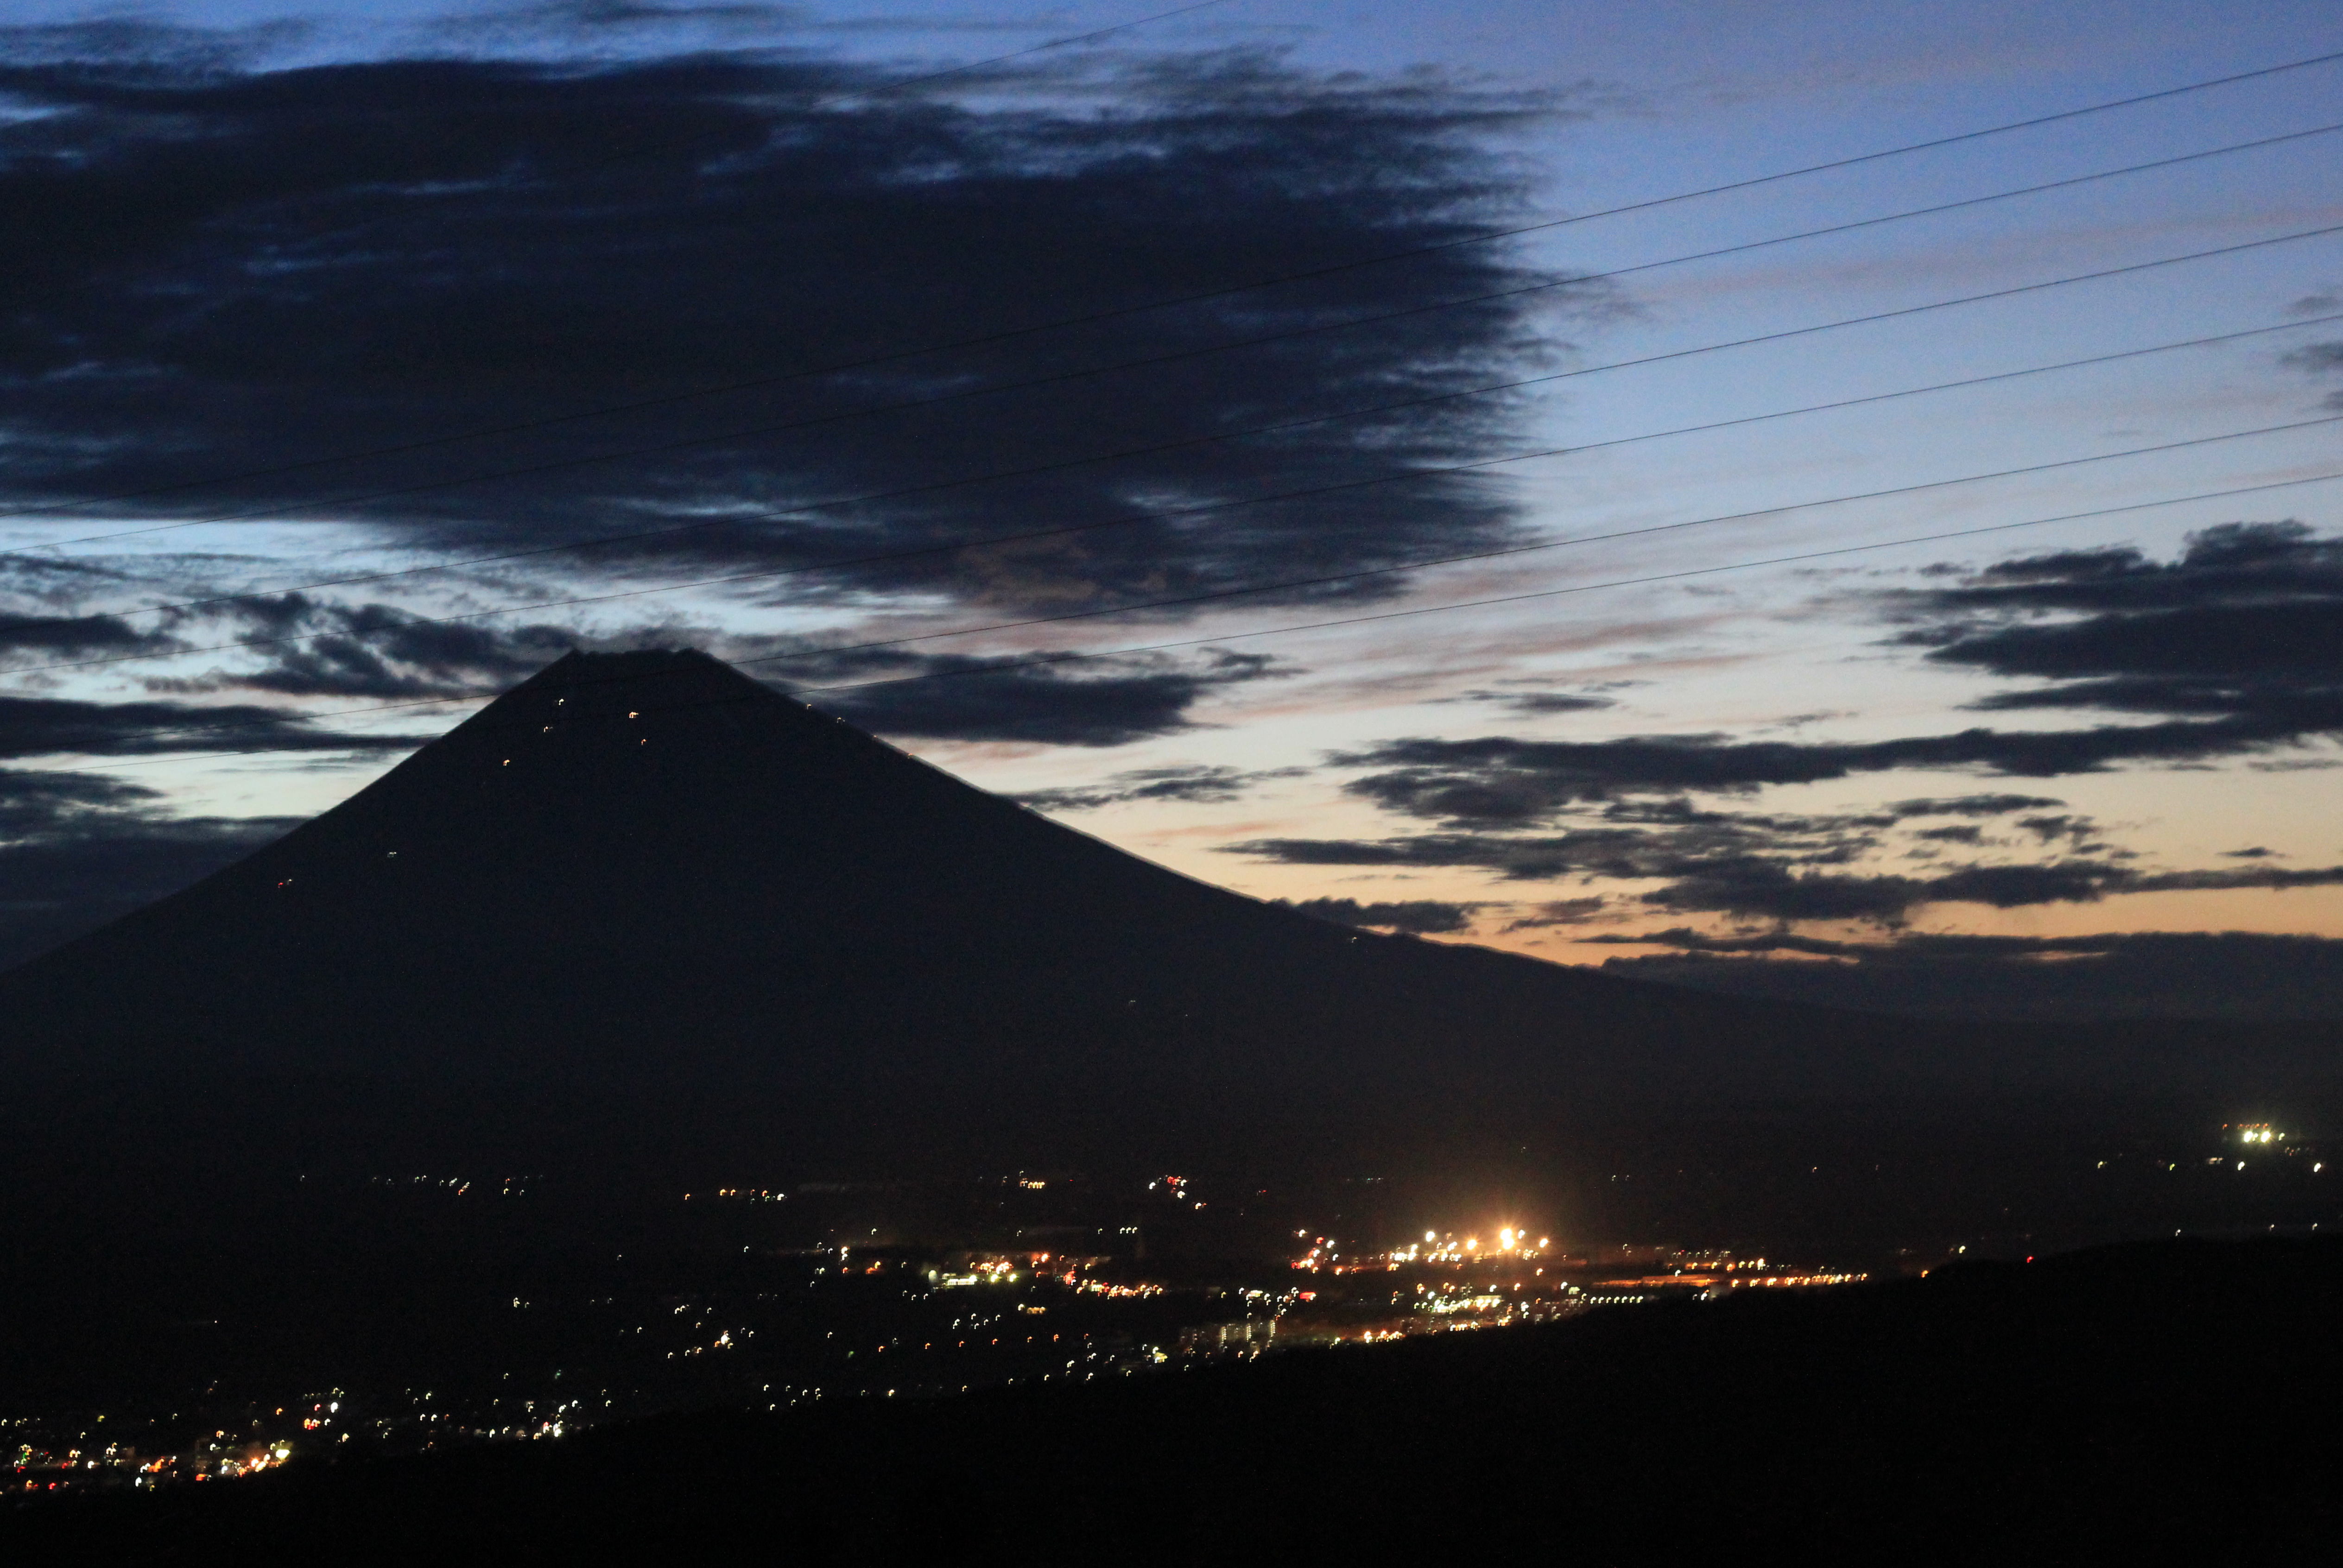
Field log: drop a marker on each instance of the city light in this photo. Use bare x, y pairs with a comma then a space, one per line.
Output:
956, 1317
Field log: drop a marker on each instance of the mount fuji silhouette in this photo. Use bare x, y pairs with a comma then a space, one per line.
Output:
644, 879
644, 927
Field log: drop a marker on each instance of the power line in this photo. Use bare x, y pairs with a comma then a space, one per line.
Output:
1402, 476
739, 519
1153, 361
1553, 451
297, 637
1586, 587
1559, 451
1512, 550
1009, 666
801, 654
987, 339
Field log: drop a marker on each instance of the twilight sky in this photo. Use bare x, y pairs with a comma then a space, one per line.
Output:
1945, 609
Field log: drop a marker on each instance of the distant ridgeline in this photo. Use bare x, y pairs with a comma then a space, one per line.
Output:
643, 912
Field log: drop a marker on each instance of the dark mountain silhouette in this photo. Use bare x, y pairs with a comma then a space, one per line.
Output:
645, 872
643, 907
644, 924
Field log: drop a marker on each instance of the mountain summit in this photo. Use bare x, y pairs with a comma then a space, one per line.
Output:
647, 874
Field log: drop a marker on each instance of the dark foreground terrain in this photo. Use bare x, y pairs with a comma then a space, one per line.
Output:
2154, 1402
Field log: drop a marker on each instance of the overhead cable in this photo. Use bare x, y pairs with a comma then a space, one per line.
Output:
297, 637
1073, 656
1206, 508
1938, 538
941, 398
1505, 552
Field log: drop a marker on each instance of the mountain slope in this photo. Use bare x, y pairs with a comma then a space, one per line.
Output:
646, 871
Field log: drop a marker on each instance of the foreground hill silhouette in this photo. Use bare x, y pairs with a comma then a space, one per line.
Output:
2165, 1403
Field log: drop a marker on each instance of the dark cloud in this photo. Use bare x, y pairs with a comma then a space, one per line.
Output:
2048, 828
2233, 974
1086, 702
1192, 785
2271, 877
1787, 867
1776, 872
2244, 634
602, 15
1521, 857
217, 266
2235, 647
1424, 916
33, 802
79, 850
1504, 780
1969, 806
47, 726
1767, 889
1560, 912
1654, 840
2244, 630
1532, 704
56, 636
2320, 359
328, 650
137, 48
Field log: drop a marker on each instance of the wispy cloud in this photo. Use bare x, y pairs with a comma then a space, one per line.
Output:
1424, 916
2185, 974
1192, 784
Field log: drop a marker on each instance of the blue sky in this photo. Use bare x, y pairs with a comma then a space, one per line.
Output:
1255, 763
